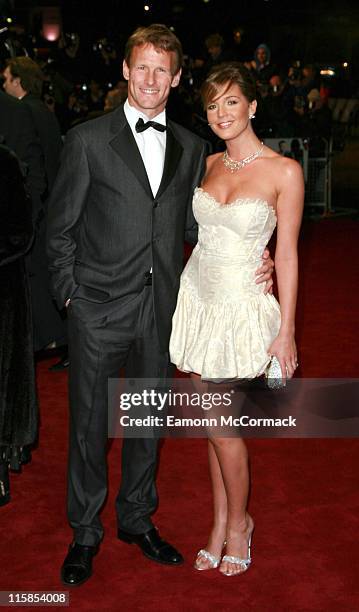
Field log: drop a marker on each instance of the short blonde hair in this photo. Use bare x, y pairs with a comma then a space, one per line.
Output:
160, 37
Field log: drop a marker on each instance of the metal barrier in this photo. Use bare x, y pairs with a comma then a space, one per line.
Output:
315, 158
318, 184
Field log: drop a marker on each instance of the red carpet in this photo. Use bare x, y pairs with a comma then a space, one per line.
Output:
304, 497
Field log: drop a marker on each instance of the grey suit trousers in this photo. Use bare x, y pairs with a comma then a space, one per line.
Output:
99, 345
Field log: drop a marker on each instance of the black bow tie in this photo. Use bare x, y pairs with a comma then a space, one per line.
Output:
141, 126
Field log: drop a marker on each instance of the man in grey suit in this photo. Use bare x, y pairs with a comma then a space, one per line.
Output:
118, 216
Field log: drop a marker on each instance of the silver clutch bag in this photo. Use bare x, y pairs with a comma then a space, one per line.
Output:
273, 375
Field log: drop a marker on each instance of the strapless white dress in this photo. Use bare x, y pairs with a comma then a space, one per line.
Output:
224, 324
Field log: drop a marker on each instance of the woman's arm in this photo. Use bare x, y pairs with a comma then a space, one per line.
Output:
289, 213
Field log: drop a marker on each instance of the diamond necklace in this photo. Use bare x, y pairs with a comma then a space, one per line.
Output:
233, 165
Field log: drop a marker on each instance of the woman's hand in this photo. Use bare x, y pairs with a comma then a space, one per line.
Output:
284, 348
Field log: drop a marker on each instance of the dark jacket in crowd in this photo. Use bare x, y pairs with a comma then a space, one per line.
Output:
18, 405
17, 131
48, 131
48, 323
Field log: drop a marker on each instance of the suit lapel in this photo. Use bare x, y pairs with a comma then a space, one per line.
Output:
173, 154
124, 144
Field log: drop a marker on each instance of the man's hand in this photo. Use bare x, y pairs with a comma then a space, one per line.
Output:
264, 274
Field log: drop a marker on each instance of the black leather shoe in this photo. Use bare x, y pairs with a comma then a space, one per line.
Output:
4, 483
25, 455
77, 567
153, 546
60, 365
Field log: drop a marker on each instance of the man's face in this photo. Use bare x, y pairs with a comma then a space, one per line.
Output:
261, 55
214, 51
11, 84
150, 78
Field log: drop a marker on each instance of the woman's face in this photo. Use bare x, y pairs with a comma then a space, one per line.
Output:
228, 113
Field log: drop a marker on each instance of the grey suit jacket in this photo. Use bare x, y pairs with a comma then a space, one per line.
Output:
105, 228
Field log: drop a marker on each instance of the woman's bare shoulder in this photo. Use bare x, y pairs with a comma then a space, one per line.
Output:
287, 166
211, 160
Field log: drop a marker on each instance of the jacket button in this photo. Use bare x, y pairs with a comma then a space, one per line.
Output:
155, 204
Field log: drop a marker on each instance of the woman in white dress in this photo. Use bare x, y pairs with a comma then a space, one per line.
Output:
226, 326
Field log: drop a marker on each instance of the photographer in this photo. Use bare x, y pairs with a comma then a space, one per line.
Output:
106, 63
261, 66
294, 99
272, 114
23, 80
70, 61
76, 108
316, 123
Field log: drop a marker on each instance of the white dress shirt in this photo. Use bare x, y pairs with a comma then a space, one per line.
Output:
151, 144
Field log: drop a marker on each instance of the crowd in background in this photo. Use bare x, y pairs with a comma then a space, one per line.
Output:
81, 83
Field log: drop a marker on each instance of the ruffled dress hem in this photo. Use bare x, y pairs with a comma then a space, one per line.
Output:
224, 341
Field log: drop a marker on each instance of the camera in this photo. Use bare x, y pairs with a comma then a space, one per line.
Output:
295, 75
103, 45
70, 39
300, 102
48, 93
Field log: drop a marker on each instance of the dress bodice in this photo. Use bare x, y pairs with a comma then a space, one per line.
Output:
231, 241
239, 230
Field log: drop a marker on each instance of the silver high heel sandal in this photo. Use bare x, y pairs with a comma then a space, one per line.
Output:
244, 563
214, 561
